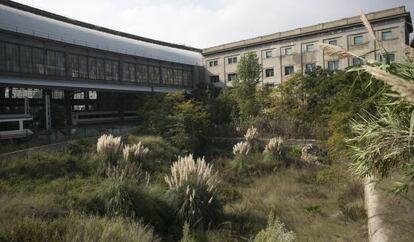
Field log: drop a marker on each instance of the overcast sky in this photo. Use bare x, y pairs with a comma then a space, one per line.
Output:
205, 23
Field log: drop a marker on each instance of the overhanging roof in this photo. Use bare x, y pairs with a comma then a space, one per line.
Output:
85, 85
31, 21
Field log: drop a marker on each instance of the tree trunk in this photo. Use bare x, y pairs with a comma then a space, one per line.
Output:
377, 230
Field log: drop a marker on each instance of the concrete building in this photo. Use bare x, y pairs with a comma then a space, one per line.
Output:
56, 65
282, 54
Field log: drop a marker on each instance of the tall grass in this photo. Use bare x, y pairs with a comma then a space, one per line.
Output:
109, 148
193, 186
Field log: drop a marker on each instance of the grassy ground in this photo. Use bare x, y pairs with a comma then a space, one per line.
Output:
49, 192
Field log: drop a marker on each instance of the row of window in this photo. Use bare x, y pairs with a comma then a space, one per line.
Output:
32, 60
309, 67
34, 93
356, 40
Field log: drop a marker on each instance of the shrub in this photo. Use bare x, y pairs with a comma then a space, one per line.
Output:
134, 153
45, 166
241, 151
274, 232
192, 190
105, 229
115, 197
109, 148
162, 152
36, 230
128, 171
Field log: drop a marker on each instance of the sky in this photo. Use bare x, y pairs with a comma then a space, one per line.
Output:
206, 23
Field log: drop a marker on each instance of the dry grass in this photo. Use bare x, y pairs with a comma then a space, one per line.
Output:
307, 207
241, 148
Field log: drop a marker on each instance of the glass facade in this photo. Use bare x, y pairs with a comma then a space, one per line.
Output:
33, 60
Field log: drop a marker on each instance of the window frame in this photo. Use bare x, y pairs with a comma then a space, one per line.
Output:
386, 32
267, 54
358, 37
285, 50
291, 69
269, 72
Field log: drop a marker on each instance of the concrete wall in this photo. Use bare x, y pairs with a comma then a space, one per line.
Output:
343, 31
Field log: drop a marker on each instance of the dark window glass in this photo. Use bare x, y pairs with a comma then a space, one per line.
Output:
12, 57
154, 74
55, 63
108, 70
125, 72
333, 65
309, 67
38, 61
92, 68
178, 77
2, 57
115, 70
232, 77
187, 78
386, 35
333, 42
269, 72
74, 66
142, 74
26, 59
356, 62
214, 79
358, 40
289, 70
83, 67
100, 69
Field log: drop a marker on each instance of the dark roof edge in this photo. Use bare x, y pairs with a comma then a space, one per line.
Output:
207, 52
92, 26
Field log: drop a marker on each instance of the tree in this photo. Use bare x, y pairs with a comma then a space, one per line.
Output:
244, 87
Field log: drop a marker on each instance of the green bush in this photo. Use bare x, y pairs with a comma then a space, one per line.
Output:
112, 230
274, 232
115, 197
36, 230
44, 166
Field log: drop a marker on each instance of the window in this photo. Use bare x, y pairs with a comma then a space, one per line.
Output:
58, 94
178, 77
333, 65
333, 42
231, 77
232, 60
213, 63
38, 61
93, 95
92, 68
100, 69
55, 63
358, 40
27, 92
309, 67
83, 67
269, 54
128, 72
142, 74
309, 47
79, 96
187, 78
386, 35
74, 66
289, 70
2, 57
390, 56
153, 74
356, 62
288, 50
12, 57
26, 59
269, 72
214, 79
111, 70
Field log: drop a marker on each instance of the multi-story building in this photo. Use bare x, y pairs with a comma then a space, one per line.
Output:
282, 54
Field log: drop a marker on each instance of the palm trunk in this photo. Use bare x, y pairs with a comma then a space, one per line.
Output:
377, 230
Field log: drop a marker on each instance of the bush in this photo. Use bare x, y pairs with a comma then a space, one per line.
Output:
36, 230
105, 229
274, 232
109, 148
44, 166
193, 191
116, 197
162, 152
76, 228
